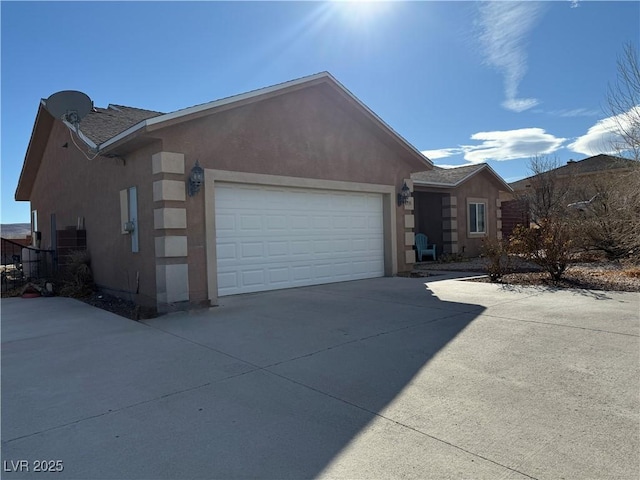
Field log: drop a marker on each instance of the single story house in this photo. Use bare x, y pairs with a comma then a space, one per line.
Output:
582, 179
290, 185
458, 208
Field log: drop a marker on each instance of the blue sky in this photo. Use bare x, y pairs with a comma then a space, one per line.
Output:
462, 81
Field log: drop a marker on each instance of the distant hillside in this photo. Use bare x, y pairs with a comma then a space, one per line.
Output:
15, 230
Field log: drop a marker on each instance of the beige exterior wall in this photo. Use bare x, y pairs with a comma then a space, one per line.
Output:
481, 187
315, 133
304, 134
442, 214
71, 186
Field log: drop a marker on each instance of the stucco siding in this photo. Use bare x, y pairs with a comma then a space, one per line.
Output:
317, 132
304, 134
481, 186
71, 186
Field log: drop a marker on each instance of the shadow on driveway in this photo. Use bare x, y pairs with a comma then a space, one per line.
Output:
269, 385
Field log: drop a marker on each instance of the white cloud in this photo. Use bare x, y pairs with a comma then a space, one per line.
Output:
441, 153
502, 145
603, 136
445, 165
505, 27
511, 144
576, 112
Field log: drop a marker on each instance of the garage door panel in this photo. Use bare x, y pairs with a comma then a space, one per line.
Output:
321, 223
276, 237
252, 250
278, 275
226, 251
253, 277
225, 223
278, 249
277, 223
300, 248
228, 280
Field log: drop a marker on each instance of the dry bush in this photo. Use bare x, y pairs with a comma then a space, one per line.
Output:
549, 246
77, 280
633, 272
499, 259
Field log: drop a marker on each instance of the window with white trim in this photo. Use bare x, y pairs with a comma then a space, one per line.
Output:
477, 217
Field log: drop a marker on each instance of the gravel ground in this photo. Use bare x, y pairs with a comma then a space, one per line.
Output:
597, 275
119, 306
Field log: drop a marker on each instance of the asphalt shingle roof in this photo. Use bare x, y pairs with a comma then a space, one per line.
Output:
596, 163
446, 176
102, 124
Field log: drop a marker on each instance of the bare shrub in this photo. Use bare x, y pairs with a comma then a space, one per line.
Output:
549, 246
498, 258
77, 277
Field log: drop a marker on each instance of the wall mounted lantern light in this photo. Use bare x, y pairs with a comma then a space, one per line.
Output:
404, 195
196, 178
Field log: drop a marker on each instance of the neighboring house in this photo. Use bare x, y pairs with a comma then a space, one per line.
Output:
589, 170
458, 208
299, 185
584, 177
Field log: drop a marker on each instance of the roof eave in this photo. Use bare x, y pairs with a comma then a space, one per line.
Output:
413, 150
41, 127
423, 183
160, 121
485, 166
493, 172
123, 137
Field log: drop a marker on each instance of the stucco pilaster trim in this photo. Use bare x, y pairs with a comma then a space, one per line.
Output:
169, 218
450, 201
171, 246
167, 162
410, 256
410, 204
169, 190
409, 239
409, 221
172, 284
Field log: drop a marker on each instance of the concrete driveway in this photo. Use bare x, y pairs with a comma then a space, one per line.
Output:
383, 378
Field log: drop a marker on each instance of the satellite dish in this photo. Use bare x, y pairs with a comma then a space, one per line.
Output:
69, 105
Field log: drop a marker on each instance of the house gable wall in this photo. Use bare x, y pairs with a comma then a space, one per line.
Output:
309, 133
442, 213
71, 186
314, 133
481, 186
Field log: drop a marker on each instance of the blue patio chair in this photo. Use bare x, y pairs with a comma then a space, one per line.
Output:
423, 248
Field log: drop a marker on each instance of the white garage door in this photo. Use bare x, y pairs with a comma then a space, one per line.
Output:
269, 238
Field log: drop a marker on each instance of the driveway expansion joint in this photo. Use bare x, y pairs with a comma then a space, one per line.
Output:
400, 424
356, 340
564, 325
132, 405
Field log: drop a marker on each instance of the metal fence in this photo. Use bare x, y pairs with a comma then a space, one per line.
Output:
22, 264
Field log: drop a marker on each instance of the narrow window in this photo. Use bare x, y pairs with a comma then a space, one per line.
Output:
477, 218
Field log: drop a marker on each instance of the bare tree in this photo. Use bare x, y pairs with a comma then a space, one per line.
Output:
551, 241
611, 220
548, 192
623, 102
